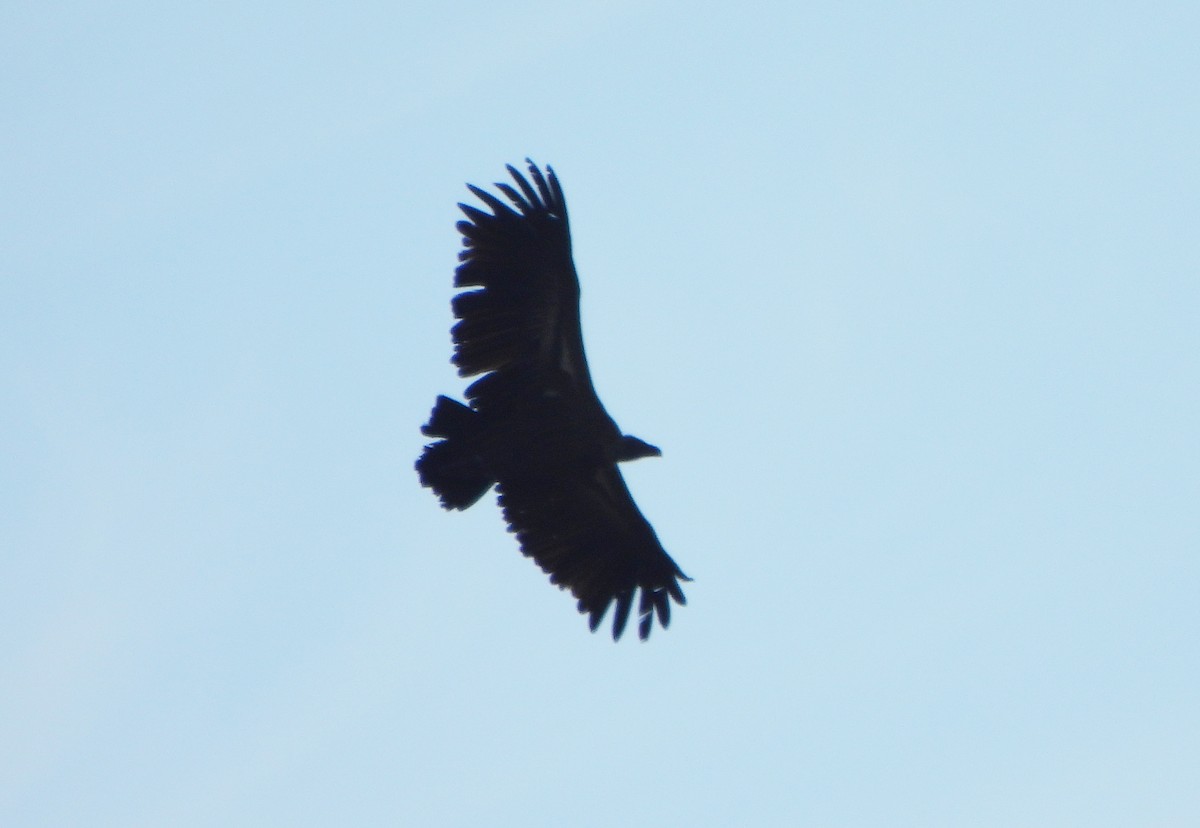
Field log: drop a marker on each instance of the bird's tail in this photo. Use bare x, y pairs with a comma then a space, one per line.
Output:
451, 466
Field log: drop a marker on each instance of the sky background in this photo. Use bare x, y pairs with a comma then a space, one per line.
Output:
907, 293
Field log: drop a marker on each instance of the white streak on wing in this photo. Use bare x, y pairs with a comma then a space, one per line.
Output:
564, 360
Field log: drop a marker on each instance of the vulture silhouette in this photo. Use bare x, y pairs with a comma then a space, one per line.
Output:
534, 427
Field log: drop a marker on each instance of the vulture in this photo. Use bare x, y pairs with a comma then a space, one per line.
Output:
533, 426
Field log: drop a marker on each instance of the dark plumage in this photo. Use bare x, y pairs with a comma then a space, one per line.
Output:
534, 426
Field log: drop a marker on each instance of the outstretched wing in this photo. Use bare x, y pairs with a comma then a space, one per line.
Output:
588, 535
524, 317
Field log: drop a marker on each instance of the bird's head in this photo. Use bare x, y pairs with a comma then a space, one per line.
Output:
631, 448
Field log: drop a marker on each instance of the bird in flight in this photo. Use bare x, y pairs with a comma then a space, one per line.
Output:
533, 426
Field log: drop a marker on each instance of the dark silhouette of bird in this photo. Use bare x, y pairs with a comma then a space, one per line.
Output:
534, 427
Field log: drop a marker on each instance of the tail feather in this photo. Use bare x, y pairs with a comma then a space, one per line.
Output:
451, 467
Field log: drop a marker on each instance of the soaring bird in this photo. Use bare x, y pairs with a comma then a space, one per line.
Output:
533, 426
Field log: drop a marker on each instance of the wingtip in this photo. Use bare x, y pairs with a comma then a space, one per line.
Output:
621, 614
644, 626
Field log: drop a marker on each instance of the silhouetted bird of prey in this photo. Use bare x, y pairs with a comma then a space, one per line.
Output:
534, 426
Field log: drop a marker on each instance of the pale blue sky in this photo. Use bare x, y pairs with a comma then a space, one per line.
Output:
908, 295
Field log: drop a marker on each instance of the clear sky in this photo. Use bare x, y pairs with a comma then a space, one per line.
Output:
907, 293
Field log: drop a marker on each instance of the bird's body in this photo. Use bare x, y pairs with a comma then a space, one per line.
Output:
534, 425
